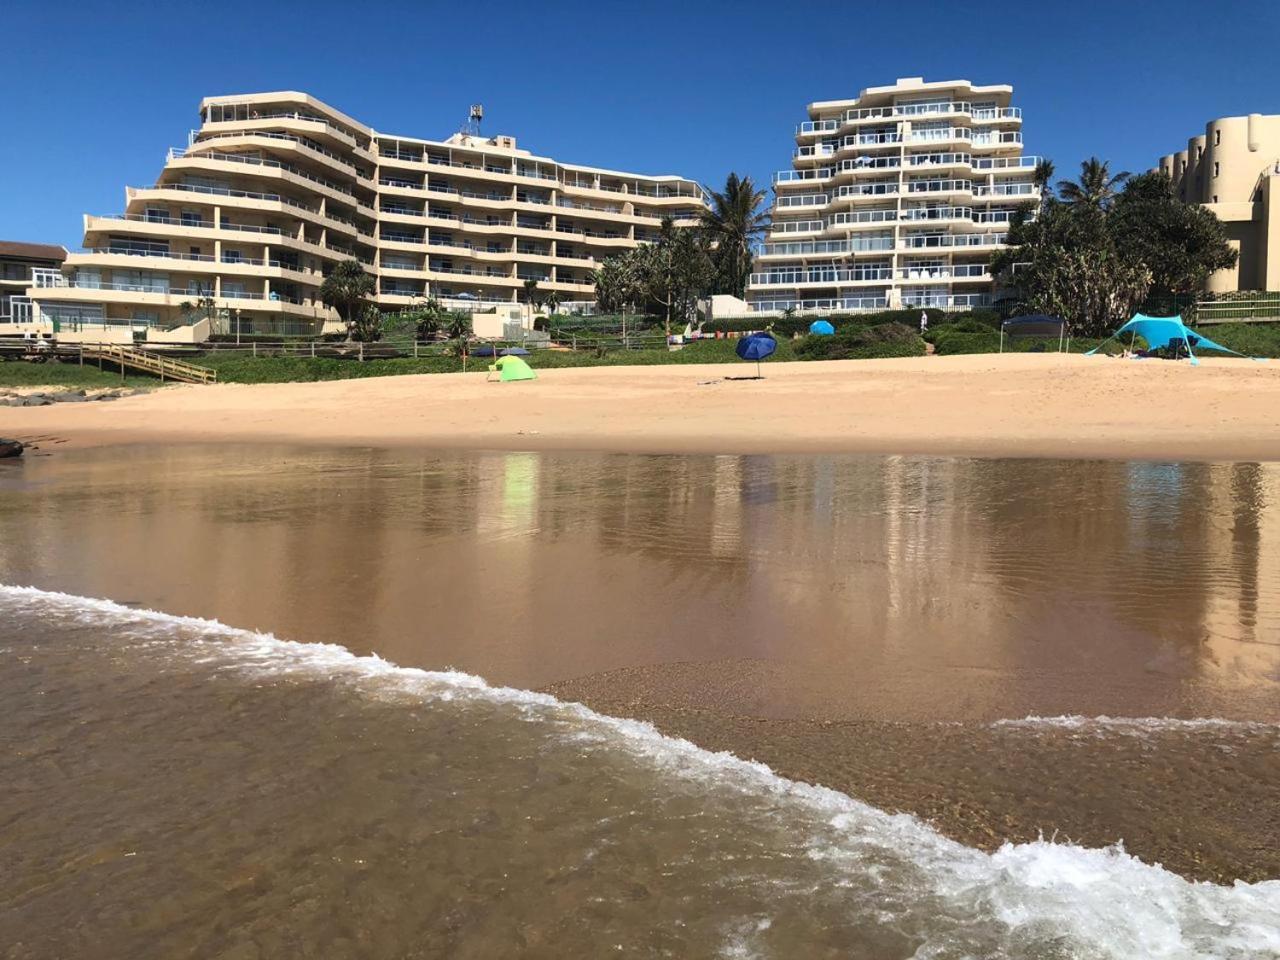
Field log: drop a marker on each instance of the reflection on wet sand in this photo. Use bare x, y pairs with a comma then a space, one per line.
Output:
892, 588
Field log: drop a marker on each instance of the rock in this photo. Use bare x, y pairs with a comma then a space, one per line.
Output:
36, 400
69, 397
10, 448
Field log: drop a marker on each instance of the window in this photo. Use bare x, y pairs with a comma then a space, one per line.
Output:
1217, 137
1216, 168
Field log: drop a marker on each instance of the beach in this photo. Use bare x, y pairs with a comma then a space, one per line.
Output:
1024, 405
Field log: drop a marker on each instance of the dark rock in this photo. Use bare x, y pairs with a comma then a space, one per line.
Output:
36, 400
69, 397
10, 448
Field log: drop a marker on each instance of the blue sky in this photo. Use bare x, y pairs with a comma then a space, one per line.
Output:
95, 93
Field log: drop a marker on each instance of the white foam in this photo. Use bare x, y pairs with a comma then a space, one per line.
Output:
1105, 901
1138, 726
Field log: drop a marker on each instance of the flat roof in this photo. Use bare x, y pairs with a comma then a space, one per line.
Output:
916, 84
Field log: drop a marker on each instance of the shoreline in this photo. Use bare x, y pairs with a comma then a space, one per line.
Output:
988, 405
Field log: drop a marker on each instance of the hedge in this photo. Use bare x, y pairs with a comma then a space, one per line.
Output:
791, 326
859, 342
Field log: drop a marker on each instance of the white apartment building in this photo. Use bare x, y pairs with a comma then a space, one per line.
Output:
273, 189
897, 198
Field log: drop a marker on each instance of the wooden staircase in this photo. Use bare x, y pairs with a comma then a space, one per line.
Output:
165, 368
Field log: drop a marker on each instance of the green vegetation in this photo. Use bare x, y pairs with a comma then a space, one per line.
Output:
732, 224
862, 342
347, 289
1251, 339
949, 342
1098, 253
786, 326
237, 368
21, 373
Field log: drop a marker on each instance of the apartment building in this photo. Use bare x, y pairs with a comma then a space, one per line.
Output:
1233, 169
897, 198
273, 189
17, 261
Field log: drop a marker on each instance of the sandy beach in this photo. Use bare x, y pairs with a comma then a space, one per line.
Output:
987, 405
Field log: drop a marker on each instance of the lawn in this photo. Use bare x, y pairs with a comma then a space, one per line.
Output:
238, 368
21, 373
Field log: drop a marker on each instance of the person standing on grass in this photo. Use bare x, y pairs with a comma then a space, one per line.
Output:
924, 322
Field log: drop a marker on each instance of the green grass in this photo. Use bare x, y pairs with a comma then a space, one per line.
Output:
238, 368
21, 373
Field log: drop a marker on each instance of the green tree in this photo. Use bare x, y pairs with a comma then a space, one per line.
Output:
367, 325
619, 282
347, 289
676, 270
1041, 177
531, 294
1097, 186
552, 300
1181, 244
429, 319
732, 224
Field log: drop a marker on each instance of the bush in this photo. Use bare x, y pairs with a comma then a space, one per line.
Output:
859, 342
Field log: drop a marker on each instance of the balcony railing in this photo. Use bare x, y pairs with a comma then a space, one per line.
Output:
197, 138
962, 271
939, 186
820, 275
790, 176
910, 110
288, 168
945, 240
849, 304
1006, 190
804, 200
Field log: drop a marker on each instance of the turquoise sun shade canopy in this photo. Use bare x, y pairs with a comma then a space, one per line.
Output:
1159, 331
822, 327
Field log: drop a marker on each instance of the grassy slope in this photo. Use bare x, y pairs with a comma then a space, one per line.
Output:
20, 373
241, 369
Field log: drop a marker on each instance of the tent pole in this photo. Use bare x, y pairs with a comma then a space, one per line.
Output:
1002, 338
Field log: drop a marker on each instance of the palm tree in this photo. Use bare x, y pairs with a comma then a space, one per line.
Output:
1096, 186
733, 223
1041, 176
345, 289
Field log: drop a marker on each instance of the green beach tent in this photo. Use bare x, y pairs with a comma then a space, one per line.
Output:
512, 368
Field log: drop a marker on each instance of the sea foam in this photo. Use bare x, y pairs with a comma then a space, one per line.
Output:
1104, 902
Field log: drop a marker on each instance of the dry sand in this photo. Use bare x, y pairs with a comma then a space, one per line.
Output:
989, 405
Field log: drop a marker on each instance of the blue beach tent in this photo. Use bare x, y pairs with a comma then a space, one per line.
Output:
822, 327
1161, 331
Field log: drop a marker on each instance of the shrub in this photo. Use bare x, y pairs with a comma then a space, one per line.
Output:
862, 342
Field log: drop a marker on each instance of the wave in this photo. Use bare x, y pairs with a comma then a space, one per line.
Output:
1104, 902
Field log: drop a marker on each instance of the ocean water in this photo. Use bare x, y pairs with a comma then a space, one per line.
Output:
1069, 671
176, 787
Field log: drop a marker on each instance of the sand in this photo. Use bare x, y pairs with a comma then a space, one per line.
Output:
987, 405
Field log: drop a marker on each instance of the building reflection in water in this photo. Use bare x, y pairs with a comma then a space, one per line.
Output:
529, 568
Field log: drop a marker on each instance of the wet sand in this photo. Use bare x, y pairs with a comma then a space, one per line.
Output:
1022, 405
863, 623
1202, 803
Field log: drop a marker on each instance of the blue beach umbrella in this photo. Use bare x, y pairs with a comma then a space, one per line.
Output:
756, 347
822, 327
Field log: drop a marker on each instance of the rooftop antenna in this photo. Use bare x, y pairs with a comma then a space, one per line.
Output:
472, 127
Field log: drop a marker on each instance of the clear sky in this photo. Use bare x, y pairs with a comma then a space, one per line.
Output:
96, 92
